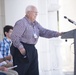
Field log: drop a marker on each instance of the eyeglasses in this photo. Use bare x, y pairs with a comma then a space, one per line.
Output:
34, 11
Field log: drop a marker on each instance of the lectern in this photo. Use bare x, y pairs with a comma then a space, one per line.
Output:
68, 35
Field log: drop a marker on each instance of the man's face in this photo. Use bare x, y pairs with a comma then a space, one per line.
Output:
33, 14
8, 34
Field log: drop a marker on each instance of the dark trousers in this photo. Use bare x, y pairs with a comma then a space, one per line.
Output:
2, 73
28, 65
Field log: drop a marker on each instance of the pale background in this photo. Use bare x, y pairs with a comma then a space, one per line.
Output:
55, 55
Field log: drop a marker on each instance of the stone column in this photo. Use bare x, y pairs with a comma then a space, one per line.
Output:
2, 18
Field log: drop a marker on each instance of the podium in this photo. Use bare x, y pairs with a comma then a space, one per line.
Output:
69, 35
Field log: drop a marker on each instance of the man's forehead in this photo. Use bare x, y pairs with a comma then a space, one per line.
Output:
34, 9
10, 30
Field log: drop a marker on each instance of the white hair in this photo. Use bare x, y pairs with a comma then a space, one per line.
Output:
29, 8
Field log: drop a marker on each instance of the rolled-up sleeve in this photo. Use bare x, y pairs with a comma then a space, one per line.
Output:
47, 33
18, 30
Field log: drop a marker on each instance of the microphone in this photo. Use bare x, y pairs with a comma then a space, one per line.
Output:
70, 20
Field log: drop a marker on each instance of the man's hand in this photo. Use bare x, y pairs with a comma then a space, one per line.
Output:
3, 68
61, 33
22, 51
9, 57
1, 60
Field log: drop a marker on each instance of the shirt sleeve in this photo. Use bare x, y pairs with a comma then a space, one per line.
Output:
1, 55
43, 32
18, 30
1, 46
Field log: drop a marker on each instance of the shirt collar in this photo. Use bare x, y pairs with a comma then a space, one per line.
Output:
31, 23
7, 40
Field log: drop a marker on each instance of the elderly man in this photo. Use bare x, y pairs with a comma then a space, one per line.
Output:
24, 37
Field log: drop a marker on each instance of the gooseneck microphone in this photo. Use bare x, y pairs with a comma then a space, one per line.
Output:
70, 20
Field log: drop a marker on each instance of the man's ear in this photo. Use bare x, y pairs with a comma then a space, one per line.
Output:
5, 33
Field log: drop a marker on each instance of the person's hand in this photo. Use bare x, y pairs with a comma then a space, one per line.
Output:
3, 68
1, 60
9, 64
22, 51
61, 33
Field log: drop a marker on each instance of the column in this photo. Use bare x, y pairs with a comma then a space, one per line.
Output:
2, 17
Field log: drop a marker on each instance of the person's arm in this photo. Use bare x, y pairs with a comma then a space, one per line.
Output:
6, 58
3, 68
43, 32
18, 30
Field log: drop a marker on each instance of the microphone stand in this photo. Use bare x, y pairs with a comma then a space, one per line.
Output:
71, 21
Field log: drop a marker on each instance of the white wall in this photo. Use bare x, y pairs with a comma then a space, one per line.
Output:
67, 9
15, 9
2, 17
